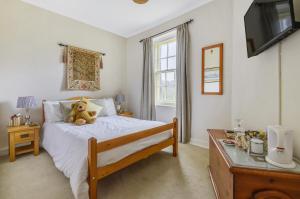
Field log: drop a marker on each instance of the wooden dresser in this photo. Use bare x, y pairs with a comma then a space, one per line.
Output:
235, 181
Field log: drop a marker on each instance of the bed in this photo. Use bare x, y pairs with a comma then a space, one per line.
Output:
87, 154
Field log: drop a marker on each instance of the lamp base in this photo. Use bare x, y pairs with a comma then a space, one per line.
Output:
27, 120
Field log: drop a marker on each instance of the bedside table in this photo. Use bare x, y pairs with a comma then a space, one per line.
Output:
126, 114
21, 135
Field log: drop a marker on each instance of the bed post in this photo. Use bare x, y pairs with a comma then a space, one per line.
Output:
175, 136
92, 164
43, 112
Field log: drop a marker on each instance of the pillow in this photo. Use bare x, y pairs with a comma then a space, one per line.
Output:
52, 111
108, 106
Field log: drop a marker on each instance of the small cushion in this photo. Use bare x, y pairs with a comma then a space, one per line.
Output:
94, 107
65, 108
100, 102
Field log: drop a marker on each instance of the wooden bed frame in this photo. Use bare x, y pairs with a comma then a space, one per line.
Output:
98, 173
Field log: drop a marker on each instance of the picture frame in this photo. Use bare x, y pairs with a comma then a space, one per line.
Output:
212, 70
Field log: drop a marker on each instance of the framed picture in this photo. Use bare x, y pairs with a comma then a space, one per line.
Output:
212, 70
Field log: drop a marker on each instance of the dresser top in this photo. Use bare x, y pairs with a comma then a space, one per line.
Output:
239, 160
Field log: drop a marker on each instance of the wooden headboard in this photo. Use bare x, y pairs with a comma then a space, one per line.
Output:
72, 98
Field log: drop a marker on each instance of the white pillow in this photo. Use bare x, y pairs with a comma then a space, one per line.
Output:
52, 112
108, 105
100, 102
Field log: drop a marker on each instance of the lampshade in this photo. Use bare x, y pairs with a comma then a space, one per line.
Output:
26, 102
120, 98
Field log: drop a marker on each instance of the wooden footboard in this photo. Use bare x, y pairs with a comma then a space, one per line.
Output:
96, 174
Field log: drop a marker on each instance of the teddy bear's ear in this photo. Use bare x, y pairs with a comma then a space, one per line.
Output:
85, 100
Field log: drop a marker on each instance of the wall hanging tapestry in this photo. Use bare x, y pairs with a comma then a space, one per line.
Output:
83, 69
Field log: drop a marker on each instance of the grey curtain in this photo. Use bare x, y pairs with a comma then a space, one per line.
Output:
183, 102
148, 92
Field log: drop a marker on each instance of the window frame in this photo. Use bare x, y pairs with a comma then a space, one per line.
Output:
158, 72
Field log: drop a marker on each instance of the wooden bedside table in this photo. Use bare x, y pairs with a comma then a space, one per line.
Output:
126, 114
21, 135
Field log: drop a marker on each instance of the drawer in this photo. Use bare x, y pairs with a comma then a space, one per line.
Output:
24, 136
261, 186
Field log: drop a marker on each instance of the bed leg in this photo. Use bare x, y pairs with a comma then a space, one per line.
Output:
92, 164
175, 136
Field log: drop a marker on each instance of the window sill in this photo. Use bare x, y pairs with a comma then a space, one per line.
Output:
165, 105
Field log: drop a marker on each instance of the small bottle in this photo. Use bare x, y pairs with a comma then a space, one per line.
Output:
239, 130
240, 134
10, 123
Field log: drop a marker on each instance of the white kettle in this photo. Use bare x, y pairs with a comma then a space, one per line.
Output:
280, 147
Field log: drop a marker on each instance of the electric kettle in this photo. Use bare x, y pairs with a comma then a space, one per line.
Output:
280, 147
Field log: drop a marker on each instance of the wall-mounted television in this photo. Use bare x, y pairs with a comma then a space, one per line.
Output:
269, 21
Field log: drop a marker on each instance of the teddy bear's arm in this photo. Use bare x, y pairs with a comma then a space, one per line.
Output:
89, 119
71, 116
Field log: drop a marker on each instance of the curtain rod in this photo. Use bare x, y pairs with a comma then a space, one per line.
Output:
65, 45
187, 22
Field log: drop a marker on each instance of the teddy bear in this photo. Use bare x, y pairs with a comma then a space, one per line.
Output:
79, 115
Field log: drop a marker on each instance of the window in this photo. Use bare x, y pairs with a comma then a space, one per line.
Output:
165, 69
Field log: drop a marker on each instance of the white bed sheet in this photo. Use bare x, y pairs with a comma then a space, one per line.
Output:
67, 144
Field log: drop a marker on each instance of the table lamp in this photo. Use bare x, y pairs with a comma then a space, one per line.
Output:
120, 98
27, 103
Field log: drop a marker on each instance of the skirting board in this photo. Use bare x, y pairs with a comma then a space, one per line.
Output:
199, 142
4, 151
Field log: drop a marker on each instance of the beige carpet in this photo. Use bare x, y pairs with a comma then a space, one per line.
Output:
159, 177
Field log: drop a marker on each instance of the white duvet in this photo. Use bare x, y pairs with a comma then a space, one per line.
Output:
67, 144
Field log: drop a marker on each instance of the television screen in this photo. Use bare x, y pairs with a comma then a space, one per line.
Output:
265, 22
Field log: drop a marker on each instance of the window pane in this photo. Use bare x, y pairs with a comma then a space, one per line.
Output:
163, 51
163, 93
163, 79
163, 64
171, 94
172, 49
171, 78
172, 63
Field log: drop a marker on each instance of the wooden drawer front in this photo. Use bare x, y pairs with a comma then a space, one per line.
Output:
220, 173
25, 136
265, 187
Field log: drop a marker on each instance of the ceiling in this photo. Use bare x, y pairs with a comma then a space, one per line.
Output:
122, 17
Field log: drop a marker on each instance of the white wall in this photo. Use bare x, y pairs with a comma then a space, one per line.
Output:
212, 24
30, 59
255, 95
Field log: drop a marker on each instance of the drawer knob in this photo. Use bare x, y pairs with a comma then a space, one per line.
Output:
271, 180
24, 136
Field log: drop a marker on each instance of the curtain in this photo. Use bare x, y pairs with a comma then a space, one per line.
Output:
183, 103
148, 92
